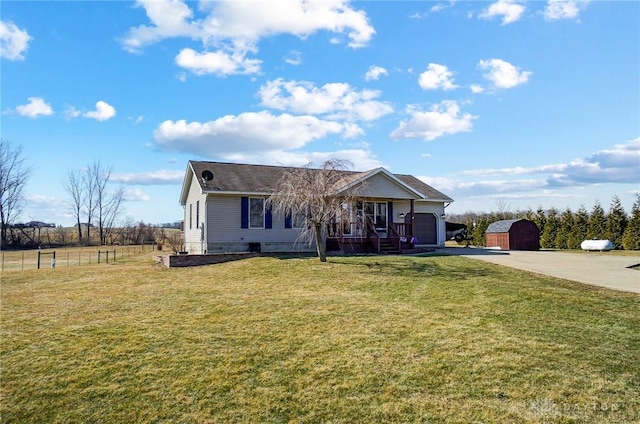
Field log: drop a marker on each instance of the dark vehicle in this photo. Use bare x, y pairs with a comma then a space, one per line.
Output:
456, 231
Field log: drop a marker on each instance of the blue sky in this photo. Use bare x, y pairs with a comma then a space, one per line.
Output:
504, 103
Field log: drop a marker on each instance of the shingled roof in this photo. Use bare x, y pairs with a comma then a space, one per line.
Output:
242, 178
501, 226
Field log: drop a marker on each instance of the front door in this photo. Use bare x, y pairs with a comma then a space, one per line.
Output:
376, 212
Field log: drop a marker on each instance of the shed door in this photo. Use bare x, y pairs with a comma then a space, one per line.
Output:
425, 228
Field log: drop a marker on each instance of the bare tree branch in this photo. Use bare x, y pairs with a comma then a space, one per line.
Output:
316, 196
13, 178
74, 187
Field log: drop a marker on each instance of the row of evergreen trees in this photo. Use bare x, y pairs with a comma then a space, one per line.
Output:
567, 229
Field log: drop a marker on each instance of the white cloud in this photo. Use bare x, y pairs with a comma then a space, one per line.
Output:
436, 76
375, 72
476, 88
169, 18
14, 41
441, 6
36, 107
161, 177
517, 170
135, 195
510, 10
362, 159
103, 112
230, 30
564, 9
442, 119
294, 58
247, 132
219, 62
460, 188
618, 165
72, 112
337, 100
248, 20
502, 74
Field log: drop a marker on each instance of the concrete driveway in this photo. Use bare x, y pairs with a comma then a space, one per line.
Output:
595, 268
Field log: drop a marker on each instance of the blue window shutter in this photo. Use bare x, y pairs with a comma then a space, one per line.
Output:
288, 221
268, 218
390, 212
244, 212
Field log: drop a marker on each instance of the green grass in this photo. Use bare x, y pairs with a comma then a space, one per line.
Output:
357, 339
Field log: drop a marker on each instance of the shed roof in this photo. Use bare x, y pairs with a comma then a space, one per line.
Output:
243, 178
502, 226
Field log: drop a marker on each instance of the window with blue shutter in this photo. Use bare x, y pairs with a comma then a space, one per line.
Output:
244, 212
268, 218
287, 221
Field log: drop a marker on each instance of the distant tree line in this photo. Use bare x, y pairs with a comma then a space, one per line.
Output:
125, 233
566, 229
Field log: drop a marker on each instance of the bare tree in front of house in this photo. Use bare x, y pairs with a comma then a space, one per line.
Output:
314, 196
13, 178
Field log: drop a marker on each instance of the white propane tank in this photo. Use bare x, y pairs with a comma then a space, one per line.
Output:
601, 245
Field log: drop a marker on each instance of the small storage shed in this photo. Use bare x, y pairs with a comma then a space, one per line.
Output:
513, 234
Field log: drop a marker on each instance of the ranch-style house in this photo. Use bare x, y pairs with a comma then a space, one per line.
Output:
225, 210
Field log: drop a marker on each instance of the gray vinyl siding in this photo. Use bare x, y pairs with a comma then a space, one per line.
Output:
402, 206
379, 186
224, 232
192, 240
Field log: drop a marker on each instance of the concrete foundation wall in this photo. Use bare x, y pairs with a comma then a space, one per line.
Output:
265, 247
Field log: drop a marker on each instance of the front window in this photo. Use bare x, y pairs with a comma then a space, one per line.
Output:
298, 219
198, 214
256, 212
354, 217
381, 216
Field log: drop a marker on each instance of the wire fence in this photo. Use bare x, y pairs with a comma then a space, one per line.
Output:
13, 260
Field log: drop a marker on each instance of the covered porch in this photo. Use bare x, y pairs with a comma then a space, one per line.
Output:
368, 227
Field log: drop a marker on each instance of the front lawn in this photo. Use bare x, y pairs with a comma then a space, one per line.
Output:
275, 340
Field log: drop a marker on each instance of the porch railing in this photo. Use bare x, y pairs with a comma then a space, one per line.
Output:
401, 229
397, 234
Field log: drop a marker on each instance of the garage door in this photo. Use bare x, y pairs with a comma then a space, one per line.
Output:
425, 228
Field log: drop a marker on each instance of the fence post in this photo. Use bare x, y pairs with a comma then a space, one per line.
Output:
38, 259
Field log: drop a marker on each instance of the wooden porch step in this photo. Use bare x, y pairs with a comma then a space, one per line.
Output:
386, 247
